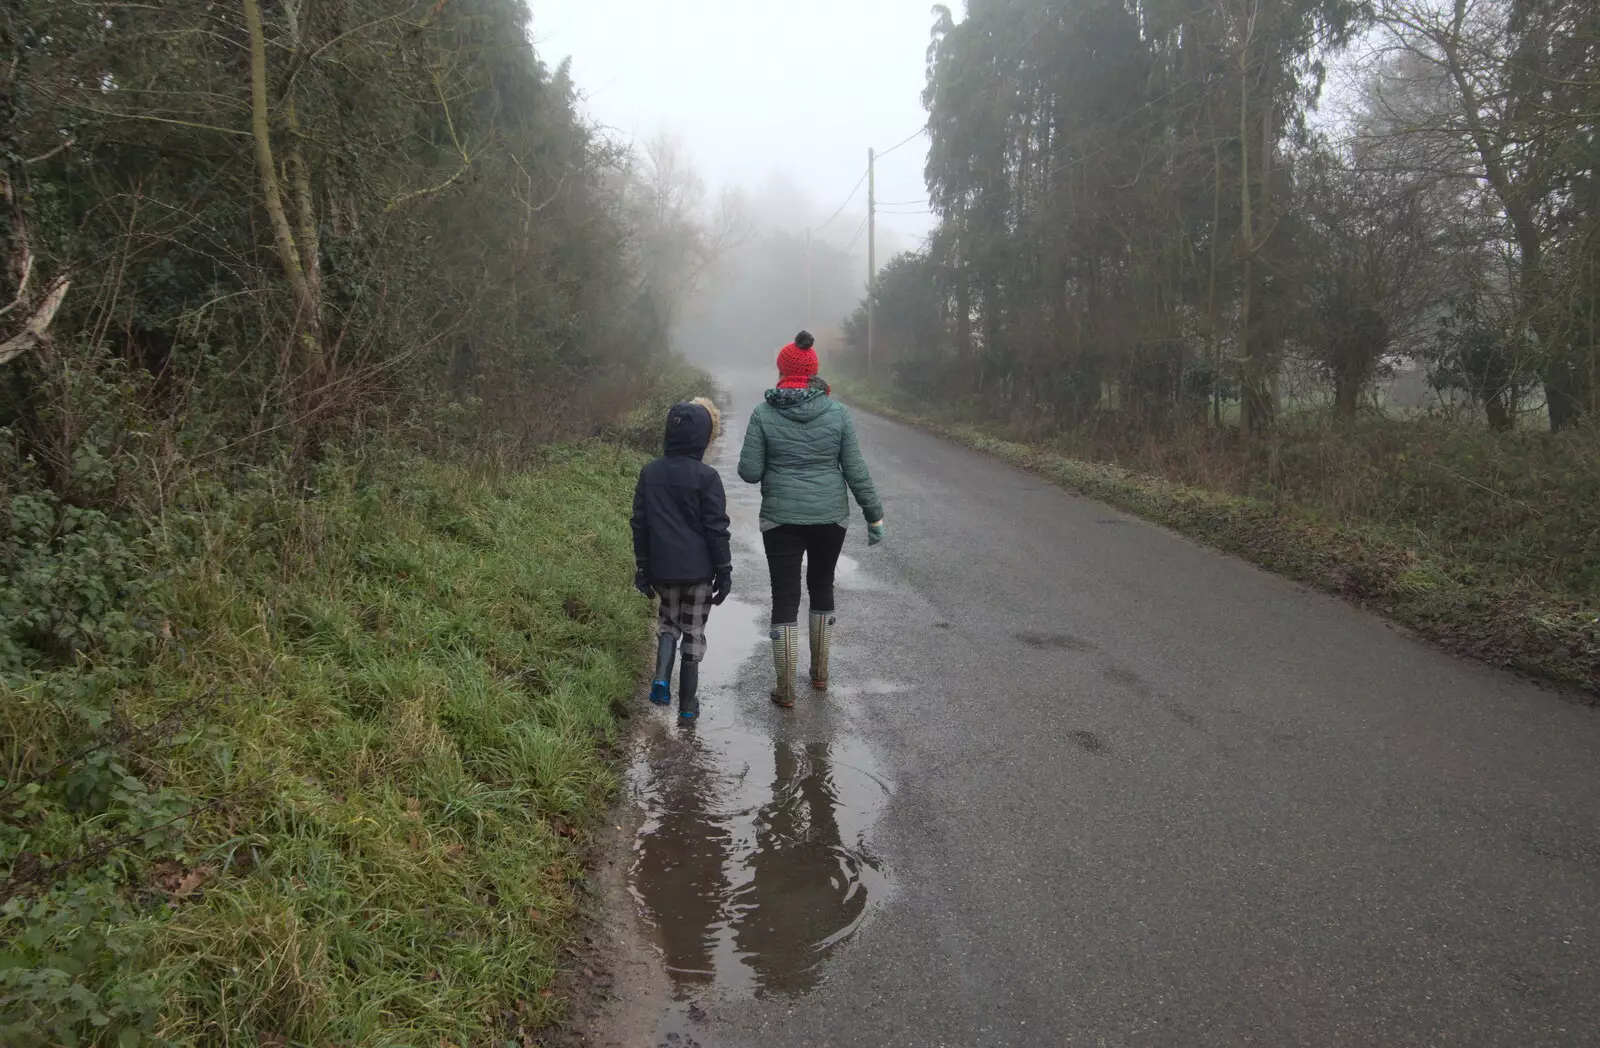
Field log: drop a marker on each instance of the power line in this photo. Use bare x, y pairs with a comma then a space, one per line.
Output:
857, 238
864, 175
905, 141
844, 205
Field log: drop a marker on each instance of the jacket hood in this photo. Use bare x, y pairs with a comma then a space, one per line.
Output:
800, 405
691, 427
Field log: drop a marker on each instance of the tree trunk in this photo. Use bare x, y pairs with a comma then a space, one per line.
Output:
1263, 401
1567, 396
308, 306
1500, 418
25, 295
991, 329
310, 231
1213, 322
965, 351
1247, 378
1257, 405
1346, 396
1514, 196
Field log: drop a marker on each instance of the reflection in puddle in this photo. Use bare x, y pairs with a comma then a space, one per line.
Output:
814, 883
752, 862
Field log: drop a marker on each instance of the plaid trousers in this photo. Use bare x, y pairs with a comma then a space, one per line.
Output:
685, 607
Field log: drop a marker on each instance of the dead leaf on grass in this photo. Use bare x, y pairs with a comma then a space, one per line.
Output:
192, 880
177, 881
166, 875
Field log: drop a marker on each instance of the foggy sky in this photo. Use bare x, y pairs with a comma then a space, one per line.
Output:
754, 86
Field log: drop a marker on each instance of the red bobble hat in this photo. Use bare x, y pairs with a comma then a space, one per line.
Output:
797, 362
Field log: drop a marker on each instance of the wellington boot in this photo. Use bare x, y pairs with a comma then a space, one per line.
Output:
661, 684
785, 661
689, 690
822, 623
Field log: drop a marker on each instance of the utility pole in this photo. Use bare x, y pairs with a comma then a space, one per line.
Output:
872, 245
808, 280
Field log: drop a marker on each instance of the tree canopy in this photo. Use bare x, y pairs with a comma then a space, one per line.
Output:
1142, 204
302, 209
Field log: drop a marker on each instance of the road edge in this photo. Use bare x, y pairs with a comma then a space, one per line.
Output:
617, 986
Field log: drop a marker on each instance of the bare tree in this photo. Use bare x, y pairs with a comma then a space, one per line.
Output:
1494, 91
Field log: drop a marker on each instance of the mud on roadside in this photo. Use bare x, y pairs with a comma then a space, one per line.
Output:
617, 985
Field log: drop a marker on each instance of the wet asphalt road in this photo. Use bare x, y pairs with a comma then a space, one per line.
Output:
1083, 782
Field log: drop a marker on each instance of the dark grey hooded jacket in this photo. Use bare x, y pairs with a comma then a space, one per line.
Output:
680, 512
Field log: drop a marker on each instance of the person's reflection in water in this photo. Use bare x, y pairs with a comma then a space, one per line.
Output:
680, 870
804, 884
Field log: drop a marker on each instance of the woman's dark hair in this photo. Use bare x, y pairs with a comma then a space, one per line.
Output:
804, 340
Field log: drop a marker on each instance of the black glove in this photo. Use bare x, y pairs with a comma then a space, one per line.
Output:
641, 582
721, 586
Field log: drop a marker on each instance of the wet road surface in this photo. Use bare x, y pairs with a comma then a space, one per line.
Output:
1081, 781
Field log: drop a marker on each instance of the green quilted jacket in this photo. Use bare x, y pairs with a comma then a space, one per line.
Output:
801, 448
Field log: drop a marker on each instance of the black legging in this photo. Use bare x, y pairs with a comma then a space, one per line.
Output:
819, 544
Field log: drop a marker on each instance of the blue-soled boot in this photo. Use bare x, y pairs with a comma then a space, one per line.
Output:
661, 685
689, 690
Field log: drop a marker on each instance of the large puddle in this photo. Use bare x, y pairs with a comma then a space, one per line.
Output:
753, 858
752, 861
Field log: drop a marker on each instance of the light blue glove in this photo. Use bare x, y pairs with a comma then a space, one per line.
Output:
876, 533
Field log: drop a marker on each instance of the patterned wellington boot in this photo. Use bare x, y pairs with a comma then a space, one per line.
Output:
688, 689
821, 639
661, 685
785, 661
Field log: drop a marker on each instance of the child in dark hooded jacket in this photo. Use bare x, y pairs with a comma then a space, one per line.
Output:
680, 547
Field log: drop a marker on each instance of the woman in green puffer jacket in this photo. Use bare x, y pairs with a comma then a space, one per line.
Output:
801, 448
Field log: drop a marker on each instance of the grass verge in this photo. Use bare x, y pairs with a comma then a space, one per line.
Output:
345, 798
1457, 605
